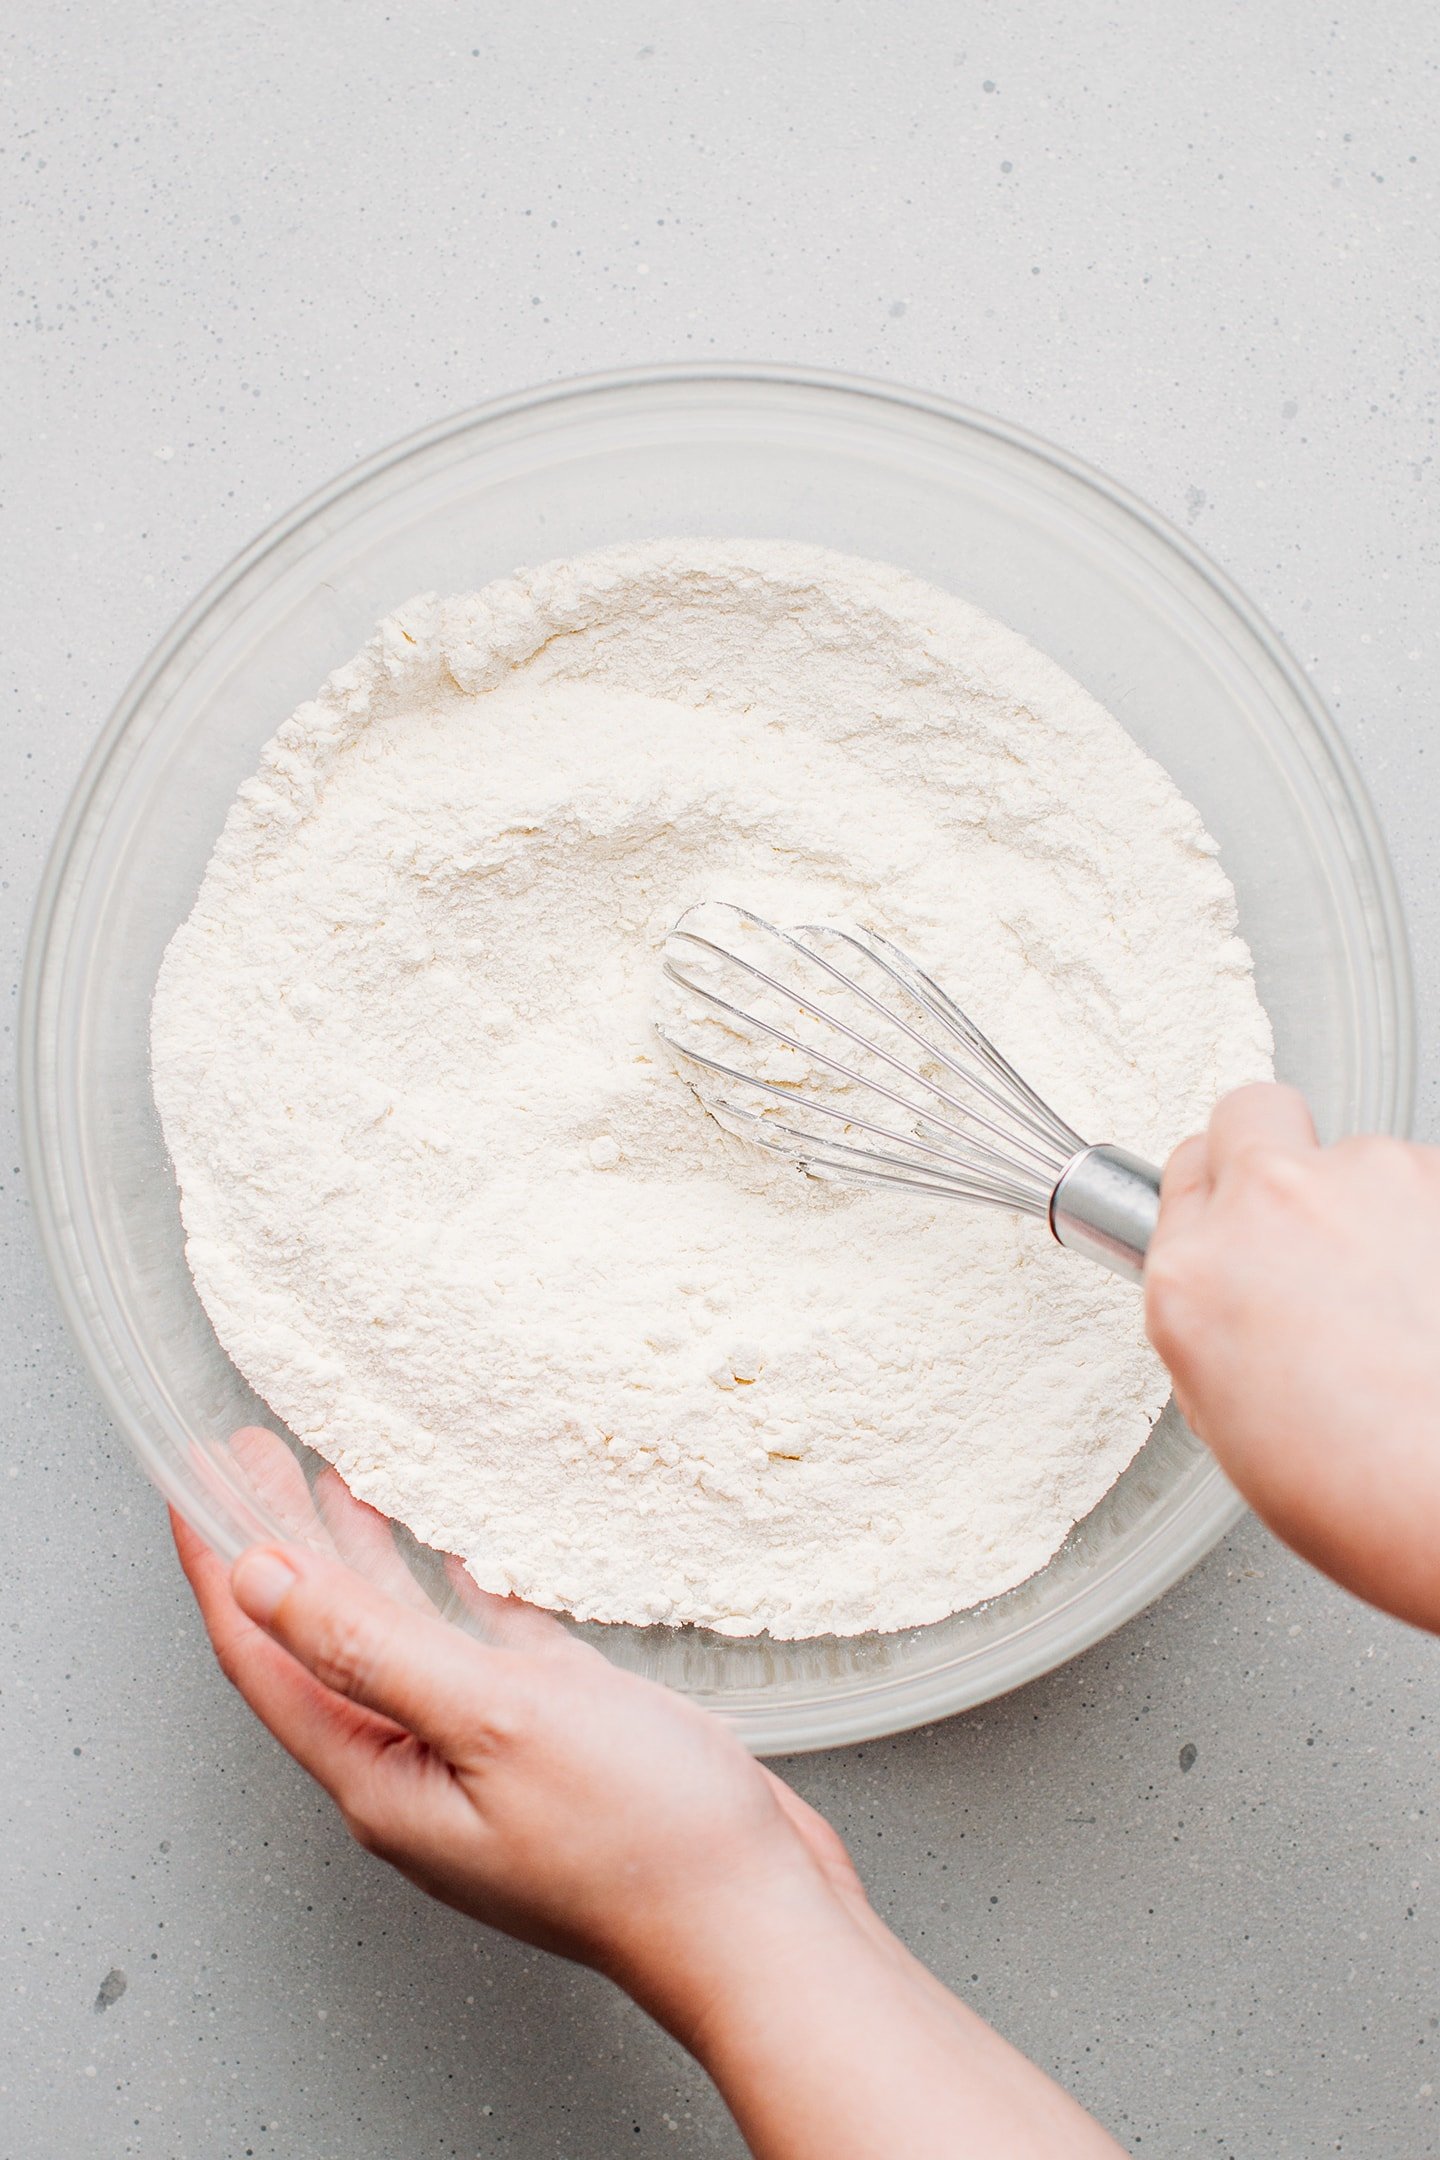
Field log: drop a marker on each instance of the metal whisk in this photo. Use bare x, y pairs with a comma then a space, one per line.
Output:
851, 1032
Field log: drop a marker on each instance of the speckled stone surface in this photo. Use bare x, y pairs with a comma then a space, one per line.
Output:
1195, 1874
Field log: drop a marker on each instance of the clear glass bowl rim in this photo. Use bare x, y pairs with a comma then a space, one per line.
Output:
918, 1698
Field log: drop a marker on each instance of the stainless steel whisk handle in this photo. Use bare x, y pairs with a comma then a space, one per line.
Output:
1106, 1205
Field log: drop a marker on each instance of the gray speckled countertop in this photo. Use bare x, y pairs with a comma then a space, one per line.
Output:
256, 242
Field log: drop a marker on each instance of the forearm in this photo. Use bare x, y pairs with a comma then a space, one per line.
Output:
829, 2041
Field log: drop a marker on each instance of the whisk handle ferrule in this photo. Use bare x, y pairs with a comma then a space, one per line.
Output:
1106, 1205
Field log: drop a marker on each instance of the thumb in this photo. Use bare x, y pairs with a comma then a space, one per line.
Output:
447, 1689
1185, 1186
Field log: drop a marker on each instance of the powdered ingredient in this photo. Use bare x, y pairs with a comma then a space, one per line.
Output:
454, 1215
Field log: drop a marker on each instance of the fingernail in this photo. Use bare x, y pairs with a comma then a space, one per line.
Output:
259, 1579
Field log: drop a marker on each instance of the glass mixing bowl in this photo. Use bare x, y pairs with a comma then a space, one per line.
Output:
1093, 578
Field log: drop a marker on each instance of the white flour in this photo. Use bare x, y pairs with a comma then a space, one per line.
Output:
458, 1221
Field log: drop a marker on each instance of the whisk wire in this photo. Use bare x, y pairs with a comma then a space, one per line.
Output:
874, 1166
977, 1132
1041, 1118
1004, 1189
752, 1021
968, 1033
864, 1166
923, 1113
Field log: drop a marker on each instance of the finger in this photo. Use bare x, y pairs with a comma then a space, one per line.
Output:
363, 1539
326, 1734
449, 1690
505, 1620
1187, 1171
277, 1481
1264, 1115
1184, 1185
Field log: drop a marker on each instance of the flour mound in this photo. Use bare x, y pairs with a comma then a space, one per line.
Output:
455, 1216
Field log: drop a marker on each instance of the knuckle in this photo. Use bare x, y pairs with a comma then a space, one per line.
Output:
367, 1814
508, 1721
1277, 1171
1188, 1155
342, 1658
1180, 1298
1271, 1175
1168, 1276
1376, 1155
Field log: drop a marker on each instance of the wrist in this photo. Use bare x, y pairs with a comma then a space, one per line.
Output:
721, 1960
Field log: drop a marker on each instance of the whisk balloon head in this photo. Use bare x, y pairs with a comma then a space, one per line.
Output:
830, 1047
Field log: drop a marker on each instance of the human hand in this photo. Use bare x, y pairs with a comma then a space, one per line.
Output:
526, 1781
1294, 1292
